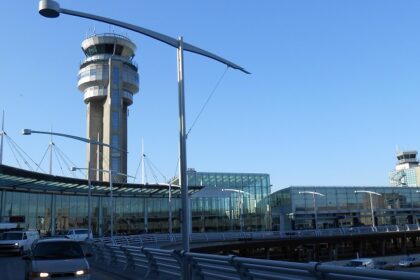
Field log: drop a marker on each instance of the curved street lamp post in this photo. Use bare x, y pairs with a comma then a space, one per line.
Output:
371, 203
52, 9
315, 206
27, 131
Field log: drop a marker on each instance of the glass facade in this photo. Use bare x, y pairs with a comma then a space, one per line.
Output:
406, 177
343, 207
240, 202
40, 201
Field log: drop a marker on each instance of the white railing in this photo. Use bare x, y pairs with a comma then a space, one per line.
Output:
157, 240
153, 263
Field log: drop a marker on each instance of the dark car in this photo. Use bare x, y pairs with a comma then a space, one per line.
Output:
56, 258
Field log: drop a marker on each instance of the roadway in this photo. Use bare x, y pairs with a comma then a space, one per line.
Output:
13, 268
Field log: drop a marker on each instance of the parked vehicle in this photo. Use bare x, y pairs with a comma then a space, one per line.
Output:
18, 241
79, 234
409, 261
361, 263
56, 258
8, 227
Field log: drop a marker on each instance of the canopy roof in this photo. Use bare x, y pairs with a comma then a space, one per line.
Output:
16, 179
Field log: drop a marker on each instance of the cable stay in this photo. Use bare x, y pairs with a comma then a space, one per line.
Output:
66, 159
59, 162
43, 157
17, 150
207, 101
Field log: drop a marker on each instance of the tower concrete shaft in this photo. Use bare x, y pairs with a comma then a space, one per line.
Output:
109, 78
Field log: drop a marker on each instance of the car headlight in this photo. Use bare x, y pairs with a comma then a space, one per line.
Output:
82, 272
40, 274
16, 244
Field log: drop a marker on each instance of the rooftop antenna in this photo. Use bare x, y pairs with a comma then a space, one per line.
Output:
1, 139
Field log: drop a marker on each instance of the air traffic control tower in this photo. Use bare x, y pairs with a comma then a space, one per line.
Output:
108, 78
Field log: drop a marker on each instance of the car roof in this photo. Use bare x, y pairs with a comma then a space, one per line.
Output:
52, 240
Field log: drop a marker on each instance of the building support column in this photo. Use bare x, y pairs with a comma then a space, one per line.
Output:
404, 244
146, 221
360, 249
100, 218
383, 247
413, 241
1, 205
53, 218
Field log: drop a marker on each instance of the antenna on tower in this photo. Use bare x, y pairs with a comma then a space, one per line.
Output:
397, 149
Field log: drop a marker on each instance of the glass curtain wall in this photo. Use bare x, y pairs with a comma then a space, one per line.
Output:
342, 207
244, 205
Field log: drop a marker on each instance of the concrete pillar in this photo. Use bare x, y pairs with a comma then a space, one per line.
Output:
52, 224
267, 253
360, 248
395, 241
404, 245
383, 247
413, 241
332, 250
101, 217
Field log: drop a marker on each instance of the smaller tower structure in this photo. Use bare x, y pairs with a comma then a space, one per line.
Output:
108, 78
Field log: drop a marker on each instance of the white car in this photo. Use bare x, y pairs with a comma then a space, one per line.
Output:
59, 258
361, 263
79, 234
18, 241
409, 261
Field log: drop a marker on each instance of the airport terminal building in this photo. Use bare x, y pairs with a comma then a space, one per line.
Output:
51, 204
296, 208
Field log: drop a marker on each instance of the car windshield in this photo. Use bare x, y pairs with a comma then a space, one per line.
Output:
58, 250
12, 236
409, 259
81, 231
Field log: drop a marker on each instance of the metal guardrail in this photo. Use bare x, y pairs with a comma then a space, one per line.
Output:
157, 240
152, 262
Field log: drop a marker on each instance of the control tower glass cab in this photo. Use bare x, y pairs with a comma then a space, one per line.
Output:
406, 159
108, 78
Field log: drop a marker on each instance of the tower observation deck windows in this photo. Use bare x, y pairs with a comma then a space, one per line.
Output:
104, 49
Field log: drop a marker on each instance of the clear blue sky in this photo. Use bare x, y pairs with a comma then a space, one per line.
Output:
335, 85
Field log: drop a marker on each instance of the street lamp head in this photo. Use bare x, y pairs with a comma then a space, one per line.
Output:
26, 131
49, 8
73, 168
